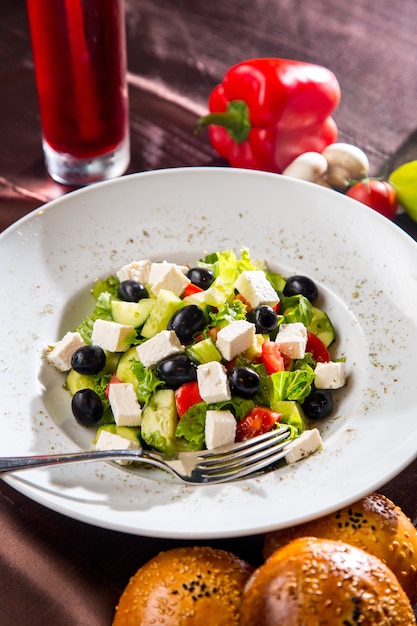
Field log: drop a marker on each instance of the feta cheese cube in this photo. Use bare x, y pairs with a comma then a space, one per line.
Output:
254, 286
160, 346
292, 340
213, 384
60, 353
124, 404
137, 270
111, 336
307, 443
330, 375
220, 429
168, 276
235, 338
111, 441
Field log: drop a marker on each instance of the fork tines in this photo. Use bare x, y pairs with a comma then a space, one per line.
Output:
244, 458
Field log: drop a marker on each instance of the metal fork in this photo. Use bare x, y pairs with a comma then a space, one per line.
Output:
220, 465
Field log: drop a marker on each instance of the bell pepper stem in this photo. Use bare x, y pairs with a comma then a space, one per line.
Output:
235, 120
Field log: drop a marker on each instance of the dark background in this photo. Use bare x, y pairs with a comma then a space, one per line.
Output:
65, 572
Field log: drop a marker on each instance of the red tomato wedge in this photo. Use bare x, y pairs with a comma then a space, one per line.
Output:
113, 380
186, 396
190, 289
317, 348
272, 357
260, 420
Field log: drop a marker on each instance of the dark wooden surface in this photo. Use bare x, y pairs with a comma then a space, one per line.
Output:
54, 569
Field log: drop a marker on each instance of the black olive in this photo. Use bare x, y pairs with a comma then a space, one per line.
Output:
176, 370
88, 360
201, 277
131, 291
318, 404
243, 381
264, 318
301, 285
87, 407
187, 321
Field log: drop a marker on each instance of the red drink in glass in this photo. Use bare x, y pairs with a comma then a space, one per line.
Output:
79, 53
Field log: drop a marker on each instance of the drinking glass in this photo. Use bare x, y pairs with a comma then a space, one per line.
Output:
79, 52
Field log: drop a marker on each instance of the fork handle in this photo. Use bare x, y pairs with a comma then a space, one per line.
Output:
10, 464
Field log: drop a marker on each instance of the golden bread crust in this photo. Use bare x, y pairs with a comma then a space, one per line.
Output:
374, 524
188, 586
323, 582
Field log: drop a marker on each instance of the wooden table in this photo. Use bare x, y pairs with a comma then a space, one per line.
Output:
54, 569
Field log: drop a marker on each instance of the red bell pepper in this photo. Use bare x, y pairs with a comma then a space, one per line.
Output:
266, 112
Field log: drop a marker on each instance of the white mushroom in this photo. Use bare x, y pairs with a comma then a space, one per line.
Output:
345, 162
310, 166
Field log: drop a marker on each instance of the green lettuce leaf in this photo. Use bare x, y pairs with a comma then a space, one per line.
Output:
276, 280
110, 285
148, 382
294, 385
297, 309
240, 407
228, 312
102, 310
191, 426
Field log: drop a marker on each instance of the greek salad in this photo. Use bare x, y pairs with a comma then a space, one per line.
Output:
176, 358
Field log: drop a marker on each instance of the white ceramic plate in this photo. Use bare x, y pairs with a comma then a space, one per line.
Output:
365, 268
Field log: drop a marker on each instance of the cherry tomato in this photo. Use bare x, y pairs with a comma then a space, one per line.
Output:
186, 396
377, 194
317, 348
272, 357
260, 420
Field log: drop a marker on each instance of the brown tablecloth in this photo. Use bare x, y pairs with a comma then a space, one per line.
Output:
60, 571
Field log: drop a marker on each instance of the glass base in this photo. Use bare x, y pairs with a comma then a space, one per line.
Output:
70, 170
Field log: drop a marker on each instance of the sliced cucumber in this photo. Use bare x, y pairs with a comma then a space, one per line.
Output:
204, 351
75, 381
159, 421
112, 359
132, 313
166, 304
292, 414
128, 432
322, 327
124, 370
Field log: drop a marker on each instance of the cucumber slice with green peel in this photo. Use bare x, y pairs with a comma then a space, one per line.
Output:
127, 432
132, 313
112, 359
322, 327
166, 304
124, 370
159, 421
204, 351
292, 414
75, 381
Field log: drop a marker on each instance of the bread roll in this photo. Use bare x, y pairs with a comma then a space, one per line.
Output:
188, 586
313, 581
373, 524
